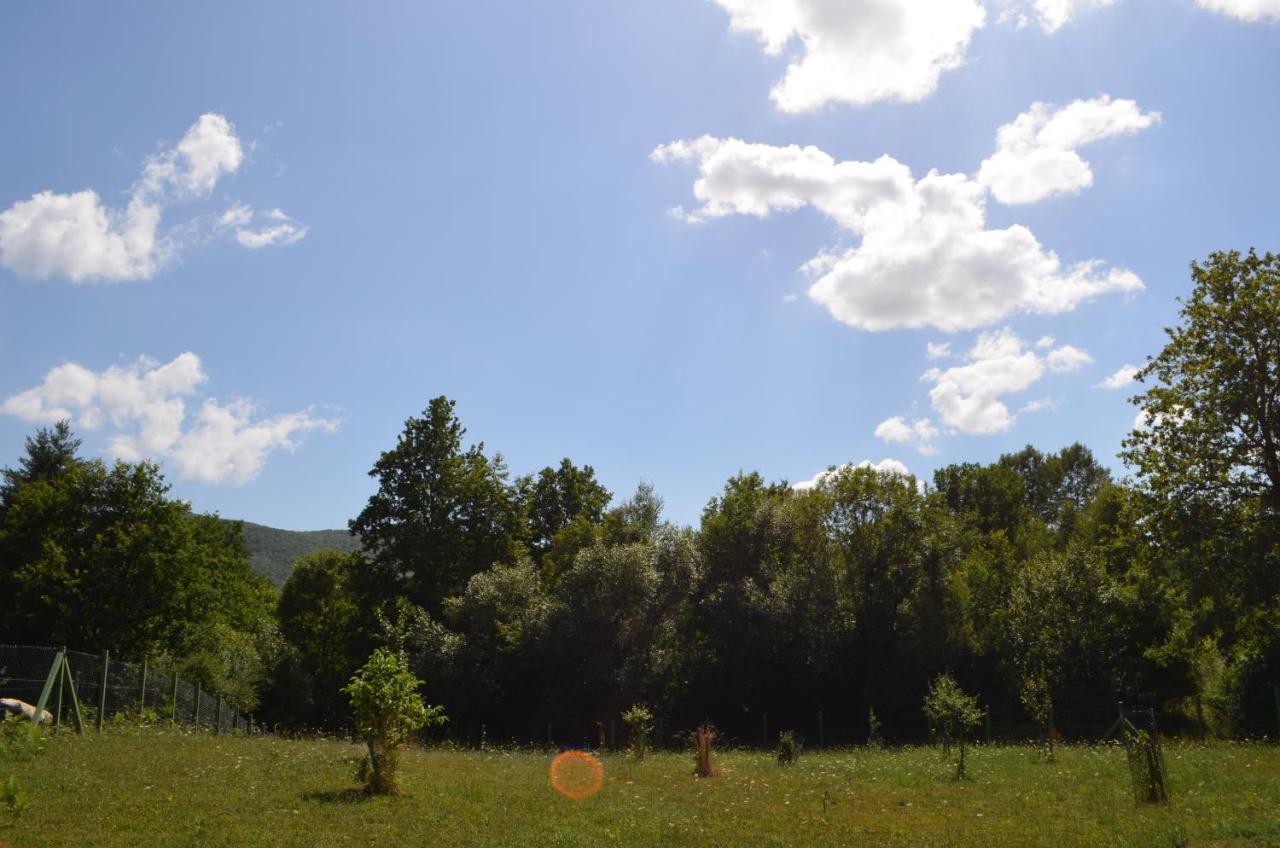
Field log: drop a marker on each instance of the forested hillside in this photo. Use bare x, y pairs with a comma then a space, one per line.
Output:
272, 552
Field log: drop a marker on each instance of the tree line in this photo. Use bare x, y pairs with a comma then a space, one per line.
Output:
1038, 580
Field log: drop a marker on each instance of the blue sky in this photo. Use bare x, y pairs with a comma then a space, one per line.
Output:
340, 211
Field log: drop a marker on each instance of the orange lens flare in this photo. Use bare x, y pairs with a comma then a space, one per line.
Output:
576, 775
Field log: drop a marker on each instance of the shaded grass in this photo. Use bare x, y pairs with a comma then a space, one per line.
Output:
165, 788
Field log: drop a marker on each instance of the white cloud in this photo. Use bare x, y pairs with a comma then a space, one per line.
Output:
859, 51
1122, 378
1067, 358
1036, 153
143, 404
1052, 15
889, 466
1045, 341
967, 397
76, 237
1245, 10
921, 433
926, 257
938, 350
286, 232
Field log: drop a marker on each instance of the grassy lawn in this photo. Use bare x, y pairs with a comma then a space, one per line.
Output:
149, 787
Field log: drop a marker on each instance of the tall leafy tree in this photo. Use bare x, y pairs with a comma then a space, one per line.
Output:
441, 512
1212, 406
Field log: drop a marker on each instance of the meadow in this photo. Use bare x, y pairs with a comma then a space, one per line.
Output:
152, 787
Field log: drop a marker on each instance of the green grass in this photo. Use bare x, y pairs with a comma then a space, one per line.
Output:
147, 787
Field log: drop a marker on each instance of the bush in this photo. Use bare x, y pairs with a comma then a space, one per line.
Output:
788, 747
20, 739
639, 722
387, 710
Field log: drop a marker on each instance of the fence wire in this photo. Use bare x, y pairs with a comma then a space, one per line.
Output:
129, 688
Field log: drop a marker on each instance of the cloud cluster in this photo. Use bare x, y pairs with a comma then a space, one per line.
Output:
77, 237
889, 466
926, 256
281, 230
859, 51
1036, 153
969, 398
144, 405
1252, 11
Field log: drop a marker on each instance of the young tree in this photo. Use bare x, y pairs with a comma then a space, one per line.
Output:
953, 712
387, 710
441, 513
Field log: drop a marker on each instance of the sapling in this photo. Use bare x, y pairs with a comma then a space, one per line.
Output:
387, 710
953, 712
639, 721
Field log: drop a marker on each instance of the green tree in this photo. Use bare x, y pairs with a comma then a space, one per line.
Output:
953, 712
441, 513
556, 498
1207, 455
387, 710
1212, 409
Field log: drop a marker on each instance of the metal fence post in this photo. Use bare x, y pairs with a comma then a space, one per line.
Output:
987, 716
195, 713
102, 688
142, 686
173, 707
217, 716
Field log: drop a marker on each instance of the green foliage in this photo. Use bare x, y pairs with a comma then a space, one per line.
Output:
21, 740
387, 710
873, 729
953, 713
788, 750
639, 722
14, 799
554, 500
100, 557
441, 513
273, 552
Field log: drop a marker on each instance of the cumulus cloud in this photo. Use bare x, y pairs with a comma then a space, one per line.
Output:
76, 237
889, 466
1067, 358
144, 406
1245, 10
920, 433
1122, 379
858, 51
938, 350
926, 256
967, 397
1036, 153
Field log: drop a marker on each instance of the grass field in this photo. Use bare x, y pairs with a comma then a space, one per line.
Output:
149, 787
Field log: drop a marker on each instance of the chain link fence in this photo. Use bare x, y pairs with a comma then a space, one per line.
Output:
110, 687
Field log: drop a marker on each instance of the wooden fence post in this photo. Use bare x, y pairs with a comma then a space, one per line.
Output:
102, 689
